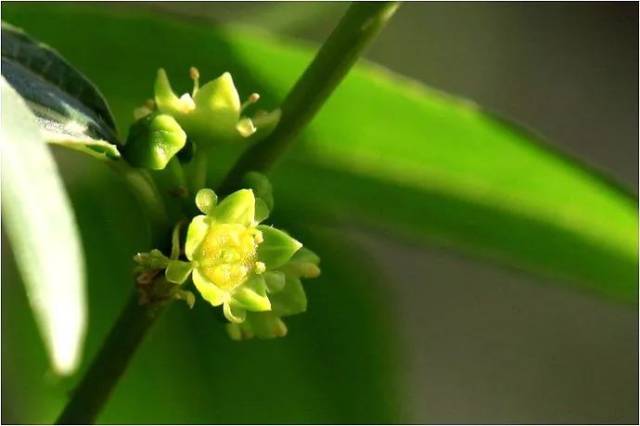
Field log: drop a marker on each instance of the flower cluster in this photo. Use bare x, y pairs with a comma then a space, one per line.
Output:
211, 114
252, 271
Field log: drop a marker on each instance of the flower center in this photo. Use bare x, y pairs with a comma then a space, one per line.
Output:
227, 254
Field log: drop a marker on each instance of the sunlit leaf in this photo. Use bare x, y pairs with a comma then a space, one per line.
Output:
69, 109
41, 227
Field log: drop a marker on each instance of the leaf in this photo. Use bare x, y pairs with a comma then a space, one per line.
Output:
384, 151
42, 229
68, 107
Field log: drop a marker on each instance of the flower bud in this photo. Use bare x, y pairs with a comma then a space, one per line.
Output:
153, 141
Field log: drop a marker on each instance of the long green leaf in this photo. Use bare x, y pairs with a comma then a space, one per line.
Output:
384, 151
41, 226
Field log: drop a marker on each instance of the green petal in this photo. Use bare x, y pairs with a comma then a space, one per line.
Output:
234, 312
178, 271
195, 234
263, 325
291, 300
261, 187
238, 207
262, 210
206, 200
152, 260
275, 281
165, 98
266, 325
253, 295
220, 93
303, 264
208, 290
277, 247
235, 332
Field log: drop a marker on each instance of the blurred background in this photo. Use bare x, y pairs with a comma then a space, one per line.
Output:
471, 342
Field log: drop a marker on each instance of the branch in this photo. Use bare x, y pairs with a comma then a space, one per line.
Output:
362, 22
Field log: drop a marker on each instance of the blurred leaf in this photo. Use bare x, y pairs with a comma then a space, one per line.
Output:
41, 226
337, 365
68, 107
384, 151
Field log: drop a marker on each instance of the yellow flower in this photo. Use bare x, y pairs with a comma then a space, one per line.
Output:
230, 255
211, 113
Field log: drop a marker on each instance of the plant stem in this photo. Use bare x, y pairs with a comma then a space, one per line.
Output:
354, 32
110, 363
343, 47
147, 194
199, 175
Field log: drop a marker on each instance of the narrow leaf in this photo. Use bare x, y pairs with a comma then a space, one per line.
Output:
41, 227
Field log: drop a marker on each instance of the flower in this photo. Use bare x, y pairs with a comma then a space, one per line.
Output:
212, 113
287, 298
233, 261
153, 140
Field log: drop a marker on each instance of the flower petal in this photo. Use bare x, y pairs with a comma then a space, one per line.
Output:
253, 295
206, 200
303, 264
195, 234
234, 312
208, 290
262, 210
165, 98
220, 97
238, 207
277, 247
291, 300
261, 187
178, 271
275, 281
263, 325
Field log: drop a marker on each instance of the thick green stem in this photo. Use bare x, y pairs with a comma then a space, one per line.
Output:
343, 47
147, 194
354, 32
110, 363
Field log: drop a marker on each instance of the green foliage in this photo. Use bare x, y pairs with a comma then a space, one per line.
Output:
187, 369
385, 151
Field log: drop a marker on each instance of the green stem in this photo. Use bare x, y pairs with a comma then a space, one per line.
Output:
147, 194
110, 363
199, 175
343, 47
173, 186
354, 32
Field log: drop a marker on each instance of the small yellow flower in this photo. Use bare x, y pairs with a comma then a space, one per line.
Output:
211, 113
230, 254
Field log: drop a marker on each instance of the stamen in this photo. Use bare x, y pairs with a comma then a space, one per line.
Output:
252, 99
195, 76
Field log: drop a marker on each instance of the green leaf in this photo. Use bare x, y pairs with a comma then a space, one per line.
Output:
69, 108
385, 151
42, 229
